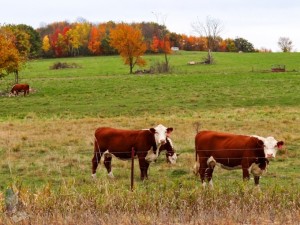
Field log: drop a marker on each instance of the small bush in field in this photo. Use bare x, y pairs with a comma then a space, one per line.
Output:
63, 65
160, 67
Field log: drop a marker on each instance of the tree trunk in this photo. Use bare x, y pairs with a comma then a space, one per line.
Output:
16, 76
131, 68
167, 63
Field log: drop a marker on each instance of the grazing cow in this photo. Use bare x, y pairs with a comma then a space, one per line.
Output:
119, 142
231, 152
171, 155
19, 88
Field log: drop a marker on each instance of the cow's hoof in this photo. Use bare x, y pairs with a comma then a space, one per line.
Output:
110, 175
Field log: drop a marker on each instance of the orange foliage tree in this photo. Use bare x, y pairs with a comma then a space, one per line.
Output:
13, 52
129, 42
10, 60
94, 41
162, 45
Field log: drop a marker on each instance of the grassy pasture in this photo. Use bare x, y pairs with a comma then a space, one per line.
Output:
46, 139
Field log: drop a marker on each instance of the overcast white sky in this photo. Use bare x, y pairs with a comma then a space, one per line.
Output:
261, 22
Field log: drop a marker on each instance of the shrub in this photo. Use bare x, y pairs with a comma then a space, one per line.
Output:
63, 65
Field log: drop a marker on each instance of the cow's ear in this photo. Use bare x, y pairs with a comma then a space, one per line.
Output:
152, 130
260, 143
169, 130
280, 144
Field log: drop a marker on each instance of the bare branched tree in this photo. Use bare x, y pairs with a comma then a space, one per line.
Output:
162, 34
285, 44
211, 29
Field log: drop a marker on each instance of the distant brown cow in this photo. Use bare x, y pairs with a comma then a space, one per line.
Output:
20, 88
118, 142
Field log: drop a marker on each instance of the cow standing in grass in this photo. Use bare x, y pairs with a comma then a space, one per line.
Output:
119, 142
19, 88
230, 151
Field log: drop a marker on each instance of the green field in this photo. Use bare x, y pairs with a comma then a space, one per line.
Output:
46, 139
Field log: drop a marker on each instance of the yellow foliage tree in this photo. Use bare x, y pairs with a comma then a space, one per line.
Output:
10, 58
130, 44
73, 38
46, 44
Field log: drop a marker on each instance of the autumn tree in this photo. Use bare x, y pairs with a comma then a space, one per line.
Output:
230, 45
83, 31
162, 45
46, 47
161, 40
95, 41
285, 44
34, 40
129, 42
20, 41
104, 30
10, 58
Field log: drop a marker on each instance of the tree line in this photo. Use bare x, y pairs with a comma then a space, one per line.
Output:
62, 39
21, 42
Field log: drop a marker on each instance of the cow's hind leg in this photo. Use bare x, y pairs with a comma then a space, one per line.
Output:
206, 170
107, 163
202, 170
95, 161
211, 163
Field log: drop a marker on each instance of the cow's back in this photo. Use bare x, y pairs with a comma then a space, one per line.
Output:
120, 140
20, 87
214, 143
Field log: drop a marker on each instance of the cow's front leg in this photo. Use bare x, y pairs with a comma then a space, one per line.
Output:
107, 163
95, 161
256, 180
245, 168
144, 165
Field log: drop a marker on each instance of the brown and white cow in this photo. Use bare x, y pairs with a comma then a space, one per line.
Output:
119, 142
19, 88
231, 151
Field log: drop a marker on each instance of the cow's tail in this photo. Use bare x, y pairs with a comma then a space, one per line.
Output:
197, 125
196, 165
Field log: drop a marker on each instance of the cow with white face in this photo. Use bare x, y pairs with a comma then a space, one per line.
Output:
119, 142
163, 142
271, 145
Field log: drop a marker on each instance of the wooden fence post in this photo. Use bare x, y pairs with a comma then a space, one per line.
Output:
132, 167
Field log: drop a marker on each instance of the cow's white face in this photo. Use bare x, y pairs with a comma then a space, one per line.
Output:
271, 146
161, 133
